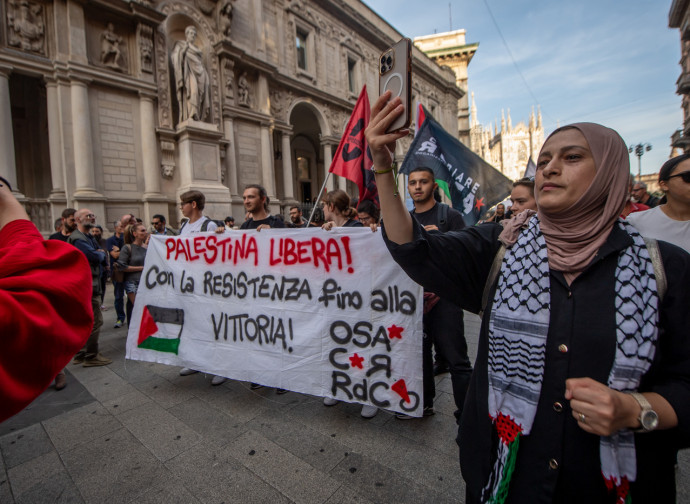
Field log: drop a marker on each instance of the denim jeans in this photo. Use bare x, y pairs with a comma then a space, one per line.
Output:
119, 300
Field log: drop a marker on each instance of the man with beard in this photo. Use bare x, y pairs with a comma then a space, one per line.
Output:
256, 204
68, 225
97, 233
443, 321
82, 239
296, 219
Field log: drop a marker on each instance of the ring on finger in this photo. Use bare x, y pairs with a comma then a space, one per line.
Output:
581, 418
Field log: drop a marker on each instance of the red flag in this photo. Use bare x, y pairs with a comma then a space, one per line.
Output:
420, 117
353, 160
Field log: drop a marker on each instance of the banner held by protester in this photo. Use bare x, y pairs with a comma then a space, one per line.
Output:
326, 313
472, 184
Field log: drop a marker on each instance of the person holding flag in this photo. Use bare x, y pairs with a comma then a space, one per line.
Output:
581, 387
352, 159
472, 185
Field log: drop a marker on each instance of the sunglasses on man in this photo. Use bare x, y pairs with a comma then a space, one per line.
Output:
684, 175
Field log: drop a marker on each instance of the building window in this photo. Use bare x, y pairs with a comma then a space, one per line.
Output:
301, 43
351, 74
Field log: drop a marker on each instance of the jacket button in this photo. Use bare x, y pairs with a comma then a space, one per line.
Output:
562, 348
553, 464
557, 407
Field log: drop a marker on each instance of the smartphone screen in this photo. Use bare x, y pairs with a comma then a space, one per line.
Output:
395, 75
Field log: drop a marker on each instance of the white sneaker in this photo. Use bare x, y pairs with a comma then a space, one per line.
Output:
329, 401
185, 371
218, 380
369, 411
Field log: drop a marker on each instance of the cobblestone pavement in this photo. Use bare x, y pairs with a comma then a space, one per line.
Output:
138, 432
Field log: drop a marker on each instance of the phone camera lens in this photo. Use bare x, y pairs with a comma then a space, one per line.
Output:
383, 60
389, 60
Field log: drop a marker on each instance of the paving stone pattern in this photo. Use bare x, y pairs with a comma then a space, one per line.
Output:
136, 432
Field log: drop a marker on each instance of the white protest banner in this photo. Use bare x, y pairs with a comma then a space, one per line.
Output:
327, 313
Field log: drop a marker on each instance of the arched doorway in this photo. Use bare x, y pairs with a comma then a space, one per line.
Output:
306, 152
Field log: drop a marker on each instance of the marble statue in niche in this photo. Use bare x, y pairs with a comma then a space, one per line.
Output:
192, 83
243, 90
111, 51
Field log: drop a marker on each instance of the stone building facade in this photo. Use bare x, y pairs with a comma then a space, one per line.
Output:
452, 50
122, 105
679, 17
509, 148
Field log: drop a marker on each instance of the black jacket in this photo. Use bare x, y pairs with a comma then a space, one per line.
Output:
456, 265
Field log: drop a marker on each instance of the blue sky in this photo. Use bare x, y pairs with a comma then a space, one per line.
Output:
605, 61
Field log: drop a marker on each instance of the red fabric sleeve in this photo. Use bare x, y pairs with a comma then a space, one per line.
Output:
45, 312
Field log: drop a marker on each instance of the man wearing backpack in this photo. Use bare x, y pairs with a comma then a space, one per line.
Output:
443, 320
192, 205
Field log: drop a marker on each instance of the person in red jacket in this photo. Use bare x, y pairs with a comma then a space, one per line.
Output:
44, 322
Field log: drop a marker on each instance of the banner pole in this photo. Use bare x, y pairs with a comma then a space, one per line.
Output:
323, 186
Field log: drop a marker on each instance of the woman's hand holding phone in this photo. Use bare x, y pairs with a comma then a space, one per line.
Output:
381, 144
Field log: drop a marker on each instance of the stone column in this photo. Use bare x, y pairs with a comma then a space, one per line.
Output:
267, 172
81, 131
230, 155
57, 173
149, 147
327, 159
342, 183
287, 167
8, 164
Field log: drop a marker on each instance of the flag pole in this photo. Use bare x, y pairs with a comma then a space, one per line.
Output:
323, 186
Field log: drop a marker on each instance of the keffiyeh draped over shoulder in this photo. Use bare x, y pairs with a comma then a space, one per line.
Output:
521, 312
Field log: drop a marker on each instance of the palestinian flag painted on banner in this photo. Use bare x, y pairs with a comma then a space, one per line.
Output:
472, 184
161, 329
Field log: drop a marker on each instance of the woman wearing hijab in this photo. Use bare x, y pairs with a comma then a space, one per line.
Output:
578, 349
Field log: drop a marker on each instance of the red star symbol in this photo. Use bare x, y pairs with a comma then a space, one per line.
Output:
479, 204
395, 332
356, 361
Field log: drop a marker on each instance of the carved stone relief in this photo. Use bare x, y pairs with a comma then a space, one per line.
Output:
229, 79
336, 120
206, 6
113, 51
145, 36
280, 102
243, 98
167, 159
26, 25
225, 18
164, 105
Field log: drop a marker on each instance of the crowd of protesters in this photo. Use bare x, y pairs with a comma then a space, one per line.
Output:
581, 386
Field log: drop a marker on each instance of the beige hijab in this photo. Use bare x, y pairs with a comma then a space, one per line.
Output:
574, 235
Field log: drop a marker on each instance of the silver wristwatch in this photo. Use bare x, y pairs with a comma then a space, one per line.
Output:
648, 417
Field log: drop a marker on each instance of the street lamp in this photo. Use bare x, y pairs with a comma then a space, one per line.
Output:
639, 150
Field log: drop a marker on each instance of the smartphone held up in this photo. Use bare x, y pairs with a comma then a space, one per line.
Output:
395, 75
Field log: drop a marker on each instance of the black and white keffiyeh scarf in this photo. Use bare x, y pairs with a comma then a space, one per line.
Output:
518, 327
